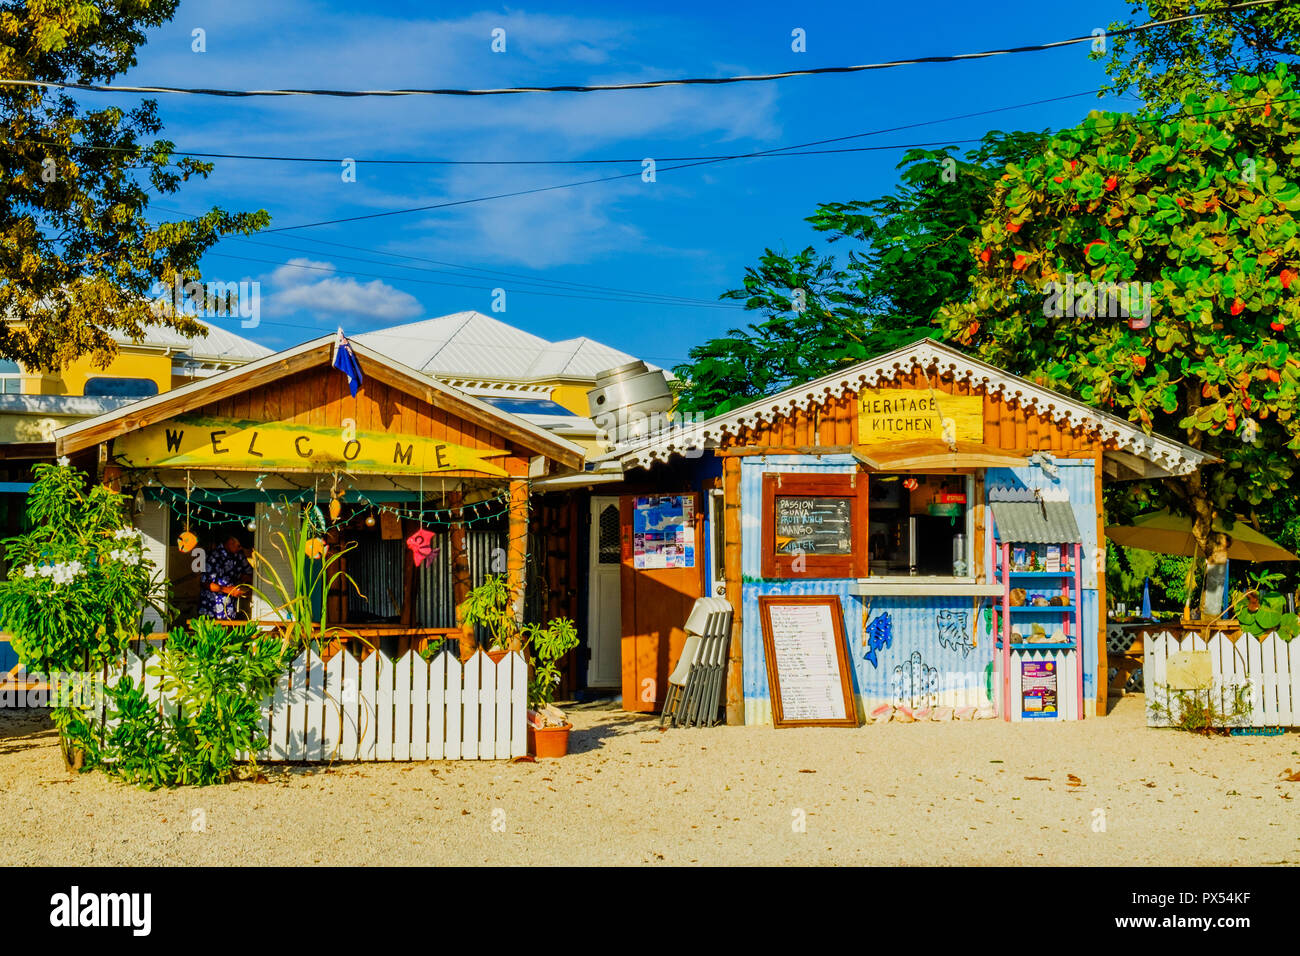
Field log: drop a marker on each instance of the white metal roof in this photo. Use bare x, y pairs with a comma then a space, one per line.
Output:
217, 345
477, 346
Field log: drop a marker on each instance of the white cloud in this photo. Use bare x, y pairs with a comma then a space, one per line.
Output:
302, 284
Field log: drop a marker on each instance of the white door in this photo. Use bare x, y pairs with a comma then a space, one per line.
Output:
604, 621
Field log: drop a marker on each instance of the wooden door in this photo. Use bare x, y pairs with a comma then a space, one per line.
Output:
655, 604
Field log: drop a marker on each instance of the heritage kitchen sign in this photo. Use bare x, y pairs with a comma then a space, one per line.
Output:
226, 443
903, 414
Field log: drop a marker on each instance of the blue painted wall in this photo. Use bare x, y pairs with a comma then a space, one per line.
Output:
940, 649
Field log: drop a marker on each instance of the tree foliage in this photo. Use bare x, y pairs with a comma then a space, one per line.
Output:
1198, 57
908, 254
1200, 205
78, 256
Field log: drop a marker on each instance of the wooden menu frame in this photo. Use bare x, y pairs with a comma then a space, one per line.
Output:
765, 603
815, 485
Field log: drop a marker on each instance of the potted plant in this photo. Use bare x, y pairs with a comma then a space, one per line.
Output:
490, 605
548, 729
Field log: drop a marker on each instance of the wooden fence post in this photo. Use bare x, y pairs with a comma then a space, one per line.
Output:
732, 574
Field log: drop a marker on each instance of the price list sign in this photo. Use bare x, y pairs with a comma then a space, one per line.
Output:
807, 661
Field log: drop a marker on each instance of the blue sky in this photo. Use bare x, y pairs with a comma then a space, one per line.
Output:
689, 235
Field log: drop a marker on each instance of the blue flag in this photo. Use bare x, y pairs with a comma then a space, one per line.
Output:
346, 362
1146, 597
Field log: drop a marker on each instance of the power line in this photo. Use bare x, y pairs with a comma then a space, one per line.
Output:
1130, 120
648, 84
461, 285
329, 160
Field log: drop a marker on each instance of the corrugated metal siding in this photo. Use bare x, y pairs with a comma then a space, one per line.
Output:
435, 606
376, 567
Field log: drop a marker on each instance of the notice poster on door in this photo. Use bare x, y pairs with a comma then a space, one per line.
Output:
663, 532
807, 661
1038, 689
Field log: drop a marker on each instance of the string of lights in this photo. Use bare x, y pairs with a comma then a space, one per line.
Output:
205, 513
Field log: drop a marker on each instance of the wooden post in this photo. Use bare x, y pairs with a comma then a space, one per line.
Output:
517, 545
732, 575
460, 578
1099, 561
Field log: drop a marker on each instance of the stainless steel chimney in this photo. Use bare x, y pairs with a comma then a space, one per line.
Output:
630, 402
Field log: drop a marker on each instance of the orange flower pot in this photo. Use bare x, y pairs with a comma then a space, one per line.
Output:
549, 741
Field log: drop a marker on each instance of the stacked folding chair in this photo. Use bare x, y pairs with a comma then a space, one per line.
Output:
696, 684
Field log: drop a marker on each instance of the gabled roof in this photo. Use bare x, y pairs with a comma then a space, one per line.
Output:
476, 346
217, 345
1163, 455
308, 355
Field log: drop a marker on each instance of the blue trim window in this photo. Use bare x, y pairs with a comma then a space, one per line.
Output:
107, 387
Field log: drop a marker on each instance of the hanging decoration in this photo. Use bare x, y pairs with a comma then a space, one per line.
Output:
336, 506
314, 548
186, 542
370, 520
421, 545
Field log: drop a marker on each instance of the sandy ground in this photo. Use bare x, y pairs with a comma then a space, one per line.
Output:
953, 793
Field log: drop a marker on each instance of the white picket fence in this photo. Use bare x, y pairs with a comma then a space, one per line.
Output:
1067, 696
381, 710
1271, 668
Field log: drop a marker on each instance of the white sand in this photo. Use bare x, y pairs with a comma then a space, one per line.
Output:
628, 794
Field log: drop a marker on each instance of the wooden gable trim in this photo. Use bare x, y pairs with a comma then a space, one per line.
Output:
310, 356
189, 397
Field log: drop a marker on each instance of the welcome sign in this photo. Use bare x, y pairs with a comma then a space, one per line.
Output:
226, 443
903, 414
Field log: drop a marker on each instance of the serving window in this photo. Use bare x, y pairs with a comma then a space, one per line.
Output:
876, 524
919, 526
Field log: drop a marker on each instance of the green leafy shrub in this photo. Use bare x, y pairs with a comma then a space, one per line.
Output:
490, 606
78, 580
213, 680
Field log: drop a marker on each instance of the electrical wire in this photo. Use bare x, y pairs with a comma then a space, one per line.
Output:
335, 161
646, 84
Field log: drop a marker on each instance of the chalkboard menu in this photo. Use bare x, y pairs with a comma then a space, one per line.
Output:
807, 661
813, 525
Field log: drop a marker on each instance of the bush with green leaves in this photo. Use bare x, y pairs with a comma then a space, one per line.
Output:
213, 680
78, 580
548, 644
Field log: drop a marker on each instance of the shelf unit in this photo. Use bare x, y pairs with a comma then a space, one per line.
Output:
1070, 615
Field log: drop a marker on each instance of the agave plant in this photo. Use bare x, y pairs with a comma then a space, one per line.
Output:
291, 599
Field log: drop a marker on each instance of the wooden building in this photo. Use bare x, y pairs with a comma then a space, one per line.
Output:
949, 513
241, 453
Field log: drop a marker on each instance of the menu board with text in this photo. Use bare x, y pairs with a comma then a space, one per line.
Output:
807, 661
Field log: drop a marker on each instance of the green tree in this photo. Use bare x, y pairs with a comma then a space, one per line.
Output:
908, 254
1201, 206
78, 258
1197, 57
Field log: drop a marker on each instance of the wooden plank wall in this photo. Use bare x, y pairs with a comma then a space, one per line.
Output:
320, 397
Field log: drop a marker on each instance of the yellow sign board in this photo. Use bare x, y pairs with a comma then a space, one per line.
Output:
906, 414
225, 443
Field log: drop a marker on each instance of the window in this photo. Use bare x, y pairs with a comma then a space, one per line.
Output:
105, 387
610, 551
918, 525
814, 526
11, 378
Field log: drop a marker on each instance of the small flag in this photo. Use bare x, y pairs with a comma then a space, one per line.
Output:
346, 362
1146, 597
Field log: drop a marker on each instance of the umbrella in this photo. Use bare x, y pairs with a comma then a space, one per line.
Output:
1166, 533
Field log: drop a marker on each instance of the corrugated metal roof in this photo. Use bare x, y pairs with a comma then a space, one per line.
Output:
474, 345
217, 344
1036, 522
